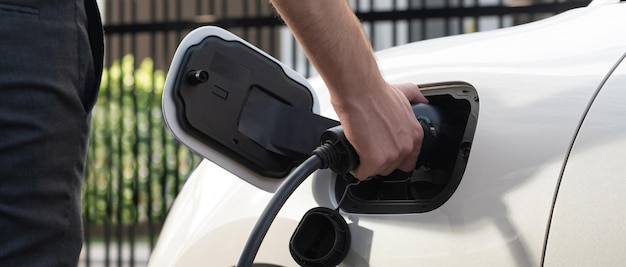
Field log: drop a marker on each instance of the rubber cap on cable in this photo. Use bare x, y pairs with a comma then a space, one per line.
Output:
322, 238
346, 157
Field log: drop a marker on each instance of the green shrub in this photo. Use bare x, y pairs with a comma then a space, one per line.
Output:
135, 167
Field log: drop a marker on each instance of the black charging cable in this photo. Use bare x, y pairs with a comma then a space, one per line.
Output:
325, 156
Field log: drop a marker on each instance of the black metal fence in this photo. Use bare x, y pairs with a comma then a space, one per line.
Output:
135, 167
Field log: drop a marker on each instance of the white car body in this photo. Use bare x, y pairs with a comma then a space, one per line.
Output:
545, 180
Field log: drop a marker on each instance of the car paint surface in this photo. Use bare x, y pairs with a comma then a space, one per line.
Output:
535, 83
591, 205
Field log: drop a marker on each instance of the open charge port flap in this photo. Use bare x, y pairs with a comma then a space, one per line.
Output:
216, 81
435, 178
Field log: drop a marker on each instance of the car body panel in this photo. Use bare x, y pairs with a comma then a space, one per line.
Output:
534, 82
591, 205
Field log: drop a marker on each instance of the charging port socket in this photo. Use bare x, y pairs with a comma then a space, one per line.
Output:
435, 179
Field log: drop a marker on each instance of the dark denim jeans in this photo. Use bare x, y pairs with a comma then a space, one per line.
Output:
50, 66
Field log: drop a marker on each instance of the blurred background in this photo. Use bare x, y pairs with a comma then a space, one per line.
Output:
135, 167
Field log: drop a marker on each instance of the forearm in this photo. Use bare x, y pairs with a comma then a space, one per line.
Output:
342, 49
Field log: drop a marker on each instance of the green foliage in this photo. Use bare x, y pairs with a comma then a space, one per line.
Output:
135, 167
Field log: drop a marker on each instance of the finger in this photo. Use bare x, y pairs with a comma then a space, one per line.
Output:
405, 162
362, 172
387, 170
371, 167
409, 162
412, 93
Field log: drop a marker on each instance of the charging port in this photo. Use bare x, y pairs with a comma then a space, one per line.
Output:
435, 177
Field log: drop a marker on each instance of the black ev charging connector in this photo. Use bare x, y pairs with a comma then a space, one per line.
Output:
430, 118
336, 153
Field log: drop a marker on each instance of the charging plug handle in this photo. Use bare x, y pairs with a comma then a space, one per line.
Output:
430, 118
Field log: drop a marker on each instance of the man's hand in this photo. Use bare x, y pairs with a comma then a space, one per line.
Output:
377, 117
383, 129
